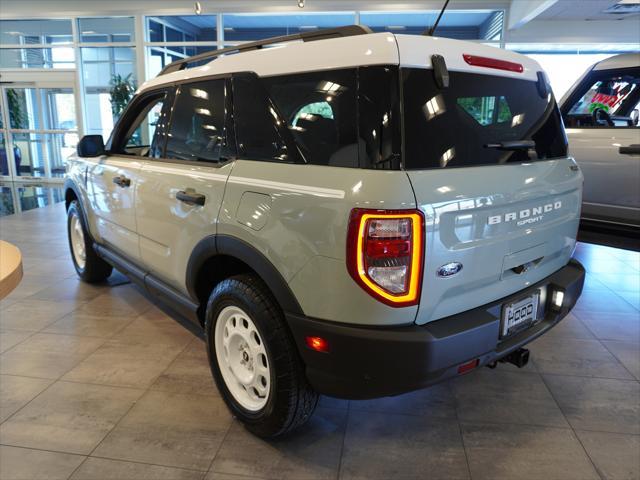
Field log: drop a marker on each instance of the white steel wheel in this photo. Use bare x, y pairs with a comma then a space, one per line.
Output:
242, 358
78, 247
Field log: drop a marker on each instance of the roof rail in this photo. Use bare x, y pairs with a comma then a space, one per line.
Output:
323, 34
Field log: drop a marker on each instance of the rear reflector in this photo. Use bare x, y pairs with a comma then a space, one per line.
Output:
492, 63
318, 344
467, 367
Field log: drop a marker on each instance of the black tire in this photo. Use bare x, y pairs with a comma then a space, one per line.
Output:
291, 400
95, 268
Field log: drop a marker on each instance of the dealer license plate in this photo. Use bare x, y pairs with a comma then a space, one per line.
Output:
520, 314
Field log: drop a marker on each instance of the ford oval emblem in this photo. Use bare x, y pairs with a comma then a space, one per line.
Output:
449, 269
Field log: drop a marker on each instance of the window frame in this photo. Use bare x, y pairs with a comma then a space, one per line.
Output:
125, 124
579, 90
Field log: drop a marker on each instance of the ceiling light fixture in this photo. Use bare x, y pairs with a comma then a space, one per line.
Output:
198, 8
301, 3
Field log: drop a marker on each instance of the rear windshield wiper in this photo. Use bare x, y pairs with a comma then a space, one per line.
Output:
512, 145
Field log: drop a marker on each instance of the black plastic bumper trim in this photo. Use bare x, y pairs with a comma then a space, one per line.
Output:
370, 362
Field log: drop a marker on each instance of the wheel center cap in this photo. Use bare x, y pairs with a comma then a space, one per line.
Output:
245, 356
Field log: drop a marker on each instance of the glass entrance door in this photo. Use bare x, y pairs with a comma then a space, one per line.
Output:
38, 130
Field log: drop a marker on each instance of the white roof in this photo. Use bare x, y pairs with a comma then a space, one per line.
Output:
358, 50
619, 61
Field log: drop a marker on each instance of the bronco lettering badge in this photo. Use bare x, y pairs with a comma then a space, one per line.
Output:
525, 216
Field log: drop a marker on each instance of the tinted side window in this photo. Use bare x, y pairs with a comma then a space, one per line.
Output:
605, 99
320, 111
257, 122
198, 130
379, 118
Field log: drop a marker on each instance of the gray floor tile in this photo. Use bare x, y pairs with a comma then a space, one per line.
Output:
189, 373
615, 455
124, 364
68, 417
435, 401
331, 402
47, 355
633, 298
70, 289
613, 326
104, 469
570, 327
497, 452
169, 429
16, 392
385, 446
118, 301
10, 338
627, 353
26, 464
83, 324
496, 396
313, 453
568, 356
33, 315
602, 302
156, 328
227, 476
598, 404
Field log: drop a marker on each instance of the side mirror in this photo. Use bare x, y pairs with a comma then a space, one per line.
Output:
91, 146
635, 117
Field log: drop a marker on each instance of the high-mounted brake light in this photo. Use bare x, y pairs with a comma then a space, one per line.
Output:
487, 62
384, 253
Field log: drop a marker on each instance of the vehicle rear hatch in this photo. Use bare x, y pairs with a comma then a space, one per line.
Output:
487, 160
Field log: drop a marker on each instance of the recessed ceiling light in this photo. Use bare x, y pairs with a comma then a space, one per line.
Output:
301, 3
198, 8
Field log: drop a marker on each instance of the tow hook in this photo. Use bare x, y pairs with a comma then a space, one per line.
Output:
519, 358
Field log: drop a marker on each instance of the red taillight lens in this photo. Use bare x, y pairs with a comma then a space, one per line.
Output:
384, 253
492, 63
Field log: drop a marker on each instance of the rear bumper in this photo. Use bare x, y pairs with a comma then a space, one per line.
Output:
368, 362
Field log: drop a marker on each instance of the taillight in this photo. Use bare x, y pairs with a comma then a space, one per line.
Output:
384, 253
487, 62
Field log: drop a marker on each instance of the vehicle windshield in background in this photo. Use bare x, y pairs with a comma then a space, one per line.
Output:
477, 120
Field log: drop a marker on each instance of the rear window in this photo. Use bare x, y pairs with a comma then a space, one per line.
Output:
455, 126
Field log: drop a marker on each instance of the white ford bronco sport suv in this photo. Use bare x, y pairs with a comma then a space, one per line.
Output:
352, 214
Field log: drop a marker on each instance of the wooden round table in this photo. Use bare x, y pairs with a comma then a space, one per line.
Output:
10, 268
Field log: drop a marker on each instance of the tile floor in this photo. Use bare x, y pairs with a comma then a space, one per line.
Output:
98, 382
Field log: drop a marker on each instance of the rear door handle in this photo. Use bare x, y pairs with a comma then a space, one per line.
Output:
633, 149
122, 181
191, 197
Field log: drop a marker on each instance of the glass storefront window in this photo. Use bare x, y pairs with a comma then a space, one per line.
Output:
23, 108
29, 154
59, 109
460, 24
160, 57
106, 30
60, 57
256, 26
59, 147
182, 28
101, 68
20, 32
